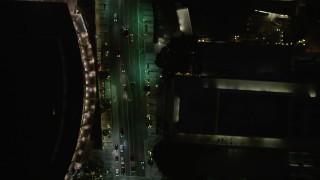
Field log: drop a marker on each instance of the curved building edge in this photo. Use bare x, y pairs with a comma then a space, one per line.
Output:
89, 98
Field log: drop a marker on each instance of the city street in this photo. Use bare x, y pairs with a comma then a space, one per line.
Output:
125, 57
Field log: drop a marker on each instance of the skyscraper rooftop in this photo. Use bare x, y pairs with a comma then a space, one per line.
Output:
42, 91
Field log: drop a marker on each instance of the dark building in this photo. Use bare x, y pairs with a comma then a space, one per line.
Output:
246, 123
42, 90
250, 112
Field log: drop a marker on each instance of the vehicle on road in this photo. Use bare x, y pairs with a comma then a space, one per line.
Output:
126, 32
132, 85
133, 168
124, 87
131, 37
123, 170
132, 157
121, 148
123, 70
122, 161
147, 89
118, 53
121, 133
115, 17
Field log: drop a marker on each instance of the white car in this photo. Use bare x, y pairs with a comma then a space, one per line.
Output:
117, 172
123, 70
121, 148
131, 37
115, 17
122, 160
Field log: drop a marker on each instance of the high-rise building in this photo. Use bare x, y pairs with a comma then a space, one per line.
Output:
251, 109
246, 112
42, 89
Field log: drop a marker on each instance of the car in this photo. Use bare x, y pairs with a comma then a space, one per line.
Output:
106, 49
116, 158
126, 32
118, 53
106, 46
132, 85
116, 146
121, 133
147, 88
122, 161
115, 17
133, 168
142, 164
148, 123
123, 170
132, 157
123, 70
105, 132
117, 172
131, 37
124, 87
108, 104
121, 148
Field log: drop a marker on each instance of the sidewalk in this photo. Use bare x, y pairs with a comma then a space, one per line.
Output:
151, 74
104, 156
